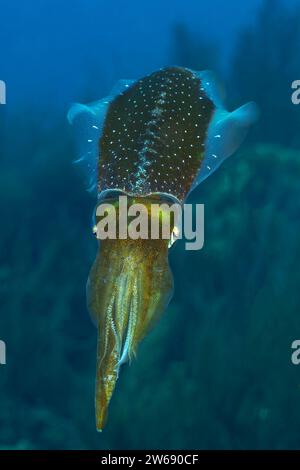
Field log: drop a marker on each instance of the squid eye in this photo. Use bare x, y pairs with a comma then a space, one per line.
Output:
95, 230
174, 236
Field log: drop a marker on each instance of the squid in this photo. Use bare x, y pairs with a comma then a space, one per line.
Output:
153, 140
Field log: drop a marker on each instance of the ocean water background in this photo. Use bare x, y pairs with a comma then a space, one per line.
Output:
216, 372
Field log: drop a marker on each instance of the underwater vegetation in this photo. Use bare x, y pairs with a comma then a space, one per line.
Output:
265, 63
216, 372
